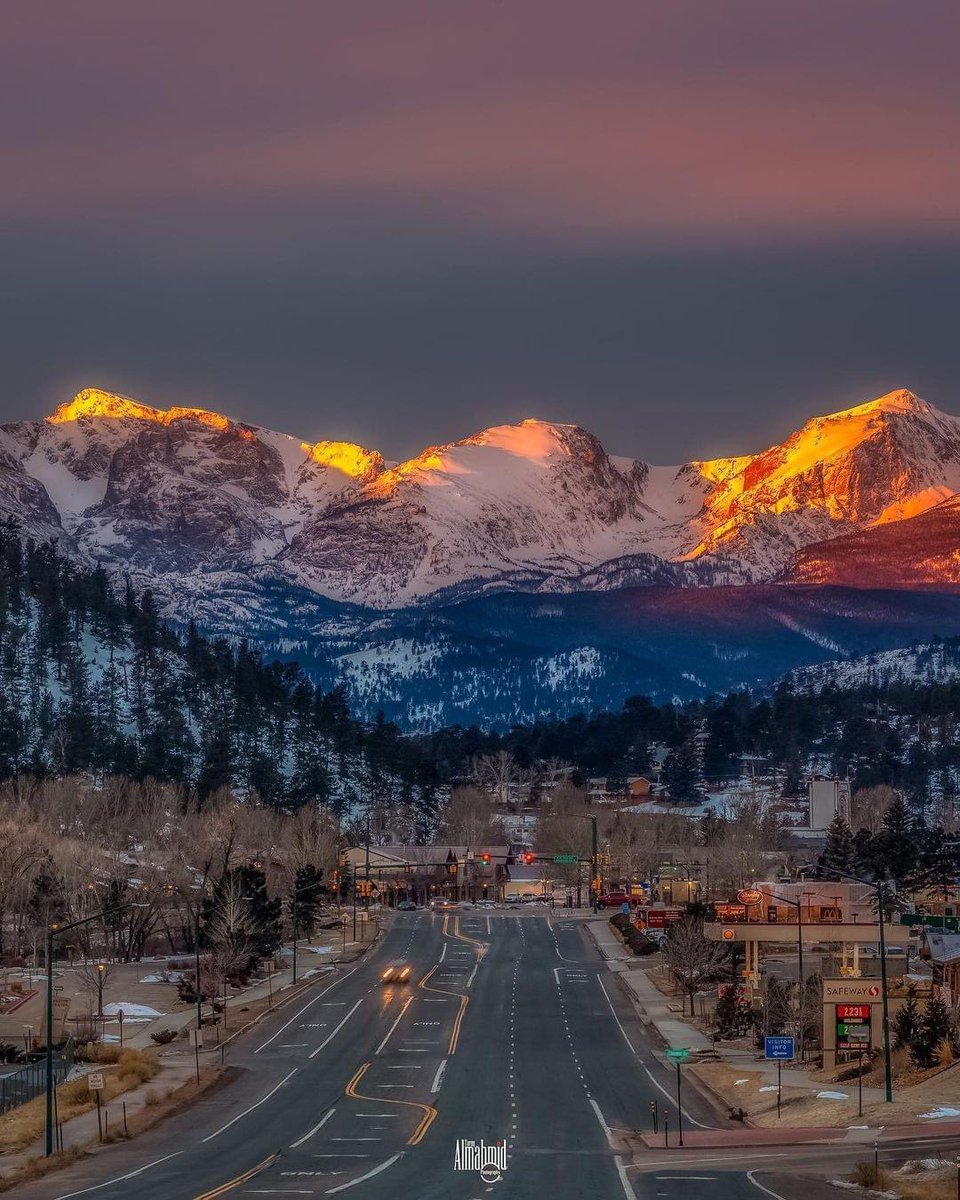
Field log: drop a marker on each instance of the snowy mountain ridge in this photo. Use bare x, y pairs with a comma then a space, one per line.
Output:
198, 505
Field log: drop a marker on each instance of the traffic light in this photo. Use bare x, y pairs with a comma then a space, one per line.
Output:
528, 858
486, 859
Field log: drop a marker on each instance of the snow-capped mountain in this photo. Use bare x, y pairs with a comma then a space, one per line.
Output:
214, 513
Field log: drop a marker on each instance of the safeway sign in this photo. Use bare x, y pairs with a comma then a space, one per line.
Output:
850, 990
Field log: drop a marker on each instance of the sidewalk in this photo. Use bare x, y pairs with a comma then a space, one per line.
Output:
309, 966
177, 1061
654, 1007
657, 1009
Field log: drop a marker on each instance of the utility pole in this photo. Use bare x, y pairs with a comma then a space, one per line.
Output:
366, 886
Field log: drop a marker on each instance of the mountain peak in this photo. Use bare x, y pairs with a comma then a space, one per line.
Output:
93, 402
356, 461
899, 401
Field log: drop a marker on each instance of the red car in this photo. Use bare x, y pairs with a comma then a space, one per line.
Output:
614, 899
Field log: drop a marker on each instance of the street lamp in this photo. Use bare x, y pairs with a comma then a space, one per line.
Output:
311, 887
879, 886
54, 930
798, 905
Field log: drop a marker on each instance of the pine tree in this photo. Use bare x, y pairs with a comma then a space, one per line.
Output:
932, 1029
681, 773
907, 1021
304, 908
837, 854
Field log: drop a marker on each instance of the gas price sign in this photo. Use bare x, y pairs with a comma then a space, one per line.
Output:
853, 1026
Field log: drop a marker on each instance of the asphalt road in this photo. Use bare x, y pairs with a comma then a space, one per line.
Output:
510, 1030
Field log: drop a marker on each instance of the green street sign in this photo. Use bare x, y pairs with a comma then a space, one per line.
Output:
562, 860
679, 1055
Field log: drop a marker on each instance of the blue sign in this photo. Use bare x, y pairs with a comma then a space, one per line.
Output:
625, 908
778, 1048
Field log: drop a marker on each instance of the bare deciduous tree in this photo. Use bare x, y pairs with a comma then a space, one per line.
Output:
694, 962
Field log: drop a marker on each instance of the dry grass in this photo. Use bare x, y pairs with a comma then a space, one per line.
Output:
939, 1184
25, 1124
36, 1168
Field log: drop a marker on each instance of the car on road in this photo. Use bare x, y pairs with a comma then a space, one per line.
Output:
396, 973
406, 906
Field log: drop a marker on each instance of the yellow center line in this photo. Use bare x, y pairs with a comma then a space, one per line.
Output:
429, 1112
244, 1178
482, 947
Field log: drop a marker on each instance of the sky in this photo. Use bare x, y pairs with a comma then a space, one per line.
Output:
685, 226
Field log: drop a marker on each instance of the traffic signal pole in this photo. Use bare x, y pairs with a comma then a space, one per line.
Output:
595, 881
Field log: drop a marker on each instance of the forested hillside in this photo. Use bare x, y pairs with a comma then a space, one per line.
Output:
93, 682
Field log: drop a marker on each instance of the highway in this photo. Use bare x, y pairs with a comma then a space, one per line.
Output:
510, 1029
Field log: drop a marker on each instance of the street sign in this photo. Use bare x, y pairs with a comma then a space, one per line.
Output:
853, 1027
779, 1048
625, 908
196, 1038
749, 896
95, 1081
679, 1054
566, 860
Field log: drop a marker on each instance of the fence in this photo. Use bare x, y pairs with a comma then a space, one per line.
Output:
22, 1085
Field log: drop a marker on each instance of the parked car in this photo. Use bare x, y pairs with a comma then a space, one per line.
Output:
407, 906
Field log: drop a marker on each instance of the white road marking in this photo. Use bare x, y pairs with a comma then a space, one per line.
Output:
438, 1078
443, 952
624, 1181
700, 1178
319, 1125
239, 1116
330, 1036
120, 1178
369, 1175
603, 1125
653, 1079
301, 1011
757, 1184
406, 1005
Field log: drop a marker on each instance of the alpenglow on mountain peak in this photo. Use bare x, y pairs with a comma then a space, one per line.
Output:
203, 506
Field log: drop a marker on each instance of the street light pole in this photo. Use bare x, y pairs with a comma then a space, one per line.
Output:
53, 929
296, 916
196, 951
879, 886
798, 905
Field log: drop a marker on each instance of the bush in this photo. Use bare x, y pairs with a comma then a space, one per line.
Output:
134, 1067
867, 1175
163, 1037
633, 937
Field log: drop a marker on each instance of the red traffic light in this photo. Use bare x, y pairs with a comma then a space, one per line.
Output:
486, 858
528, 859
